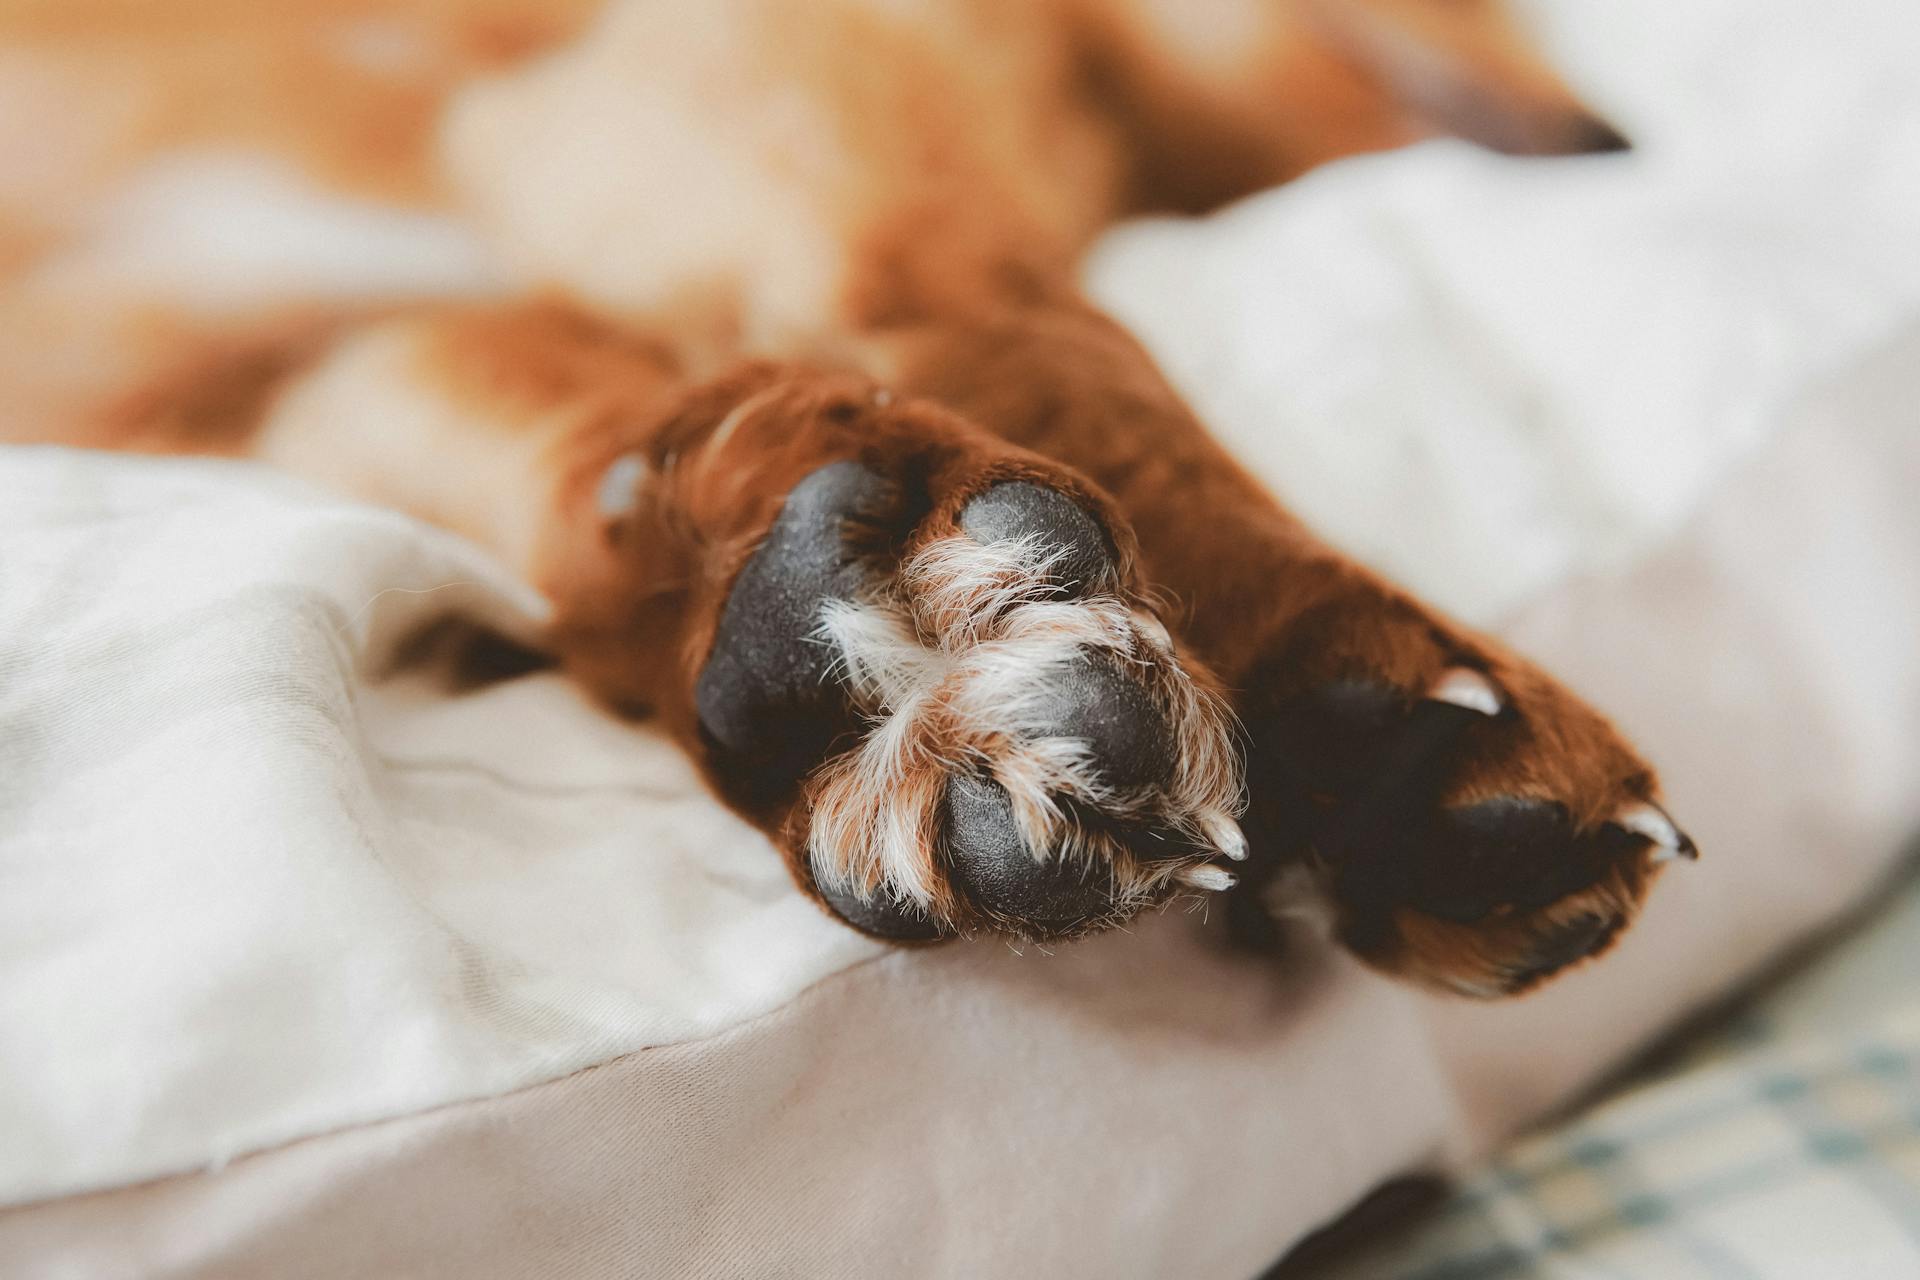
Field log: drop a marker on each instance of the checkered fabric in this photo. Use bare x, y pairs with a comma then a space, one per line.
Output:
1781, 1144
1797, 1161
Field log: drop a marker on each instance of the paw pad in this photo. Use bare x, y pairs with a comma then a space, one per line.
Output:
1076, 549
985, 733
764, 698
991, 861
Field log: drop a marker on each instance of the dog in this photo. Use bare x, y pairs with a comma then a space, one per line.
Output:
774, 377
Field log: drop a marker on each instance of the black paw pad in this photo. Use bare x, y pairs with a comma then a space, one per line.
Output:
992, 864
764, 698
1331, 740
1356, 769
1507, 852
1563, 945
894, 921
1096, 702
1020, 509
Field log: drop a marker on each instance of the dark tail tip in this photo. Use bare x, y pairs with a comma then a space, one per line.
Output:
1595, 137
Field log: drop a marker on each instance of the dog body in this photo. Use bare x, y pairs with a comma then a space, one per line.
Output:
773, 375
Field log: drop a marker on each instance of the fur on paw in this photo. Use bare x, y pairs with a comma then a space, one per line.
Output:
1472, 825
979, 724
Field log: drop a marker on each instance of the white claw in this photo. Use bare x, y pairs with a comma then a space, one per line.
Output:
1651, 821
1212, 879
1225, 835
1469, 689
619, 491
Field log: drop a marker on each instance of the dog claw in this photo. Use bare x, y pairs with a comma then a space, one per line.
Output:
1209, 878
1466, 688
1224, 834
1651, 821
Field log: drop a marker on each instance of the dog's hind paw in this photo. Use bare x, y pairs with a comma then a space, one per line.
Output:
1474, 825
934, 663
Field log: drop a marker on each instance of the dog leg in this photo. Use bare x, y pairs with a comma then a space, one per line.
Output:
916, 655
1473, 825
1217, 99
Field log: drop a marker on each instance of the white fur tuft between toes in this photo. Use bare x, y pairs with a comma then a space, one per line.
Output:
955, 668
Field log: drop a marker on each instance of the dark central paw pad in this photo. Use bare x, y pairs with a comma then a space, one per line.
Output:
1081, 557
765, 698
992, 865
1355, 768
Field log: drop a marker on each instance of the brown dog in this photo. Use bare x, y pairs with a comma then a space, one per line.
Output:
820, 456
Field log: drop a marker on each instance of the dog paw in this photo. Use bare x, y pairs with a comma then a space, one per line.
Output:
1474, 826
934, 660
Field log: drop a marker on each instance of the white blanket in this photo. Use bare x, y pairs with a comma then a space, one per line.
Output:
1651, 415
246, 894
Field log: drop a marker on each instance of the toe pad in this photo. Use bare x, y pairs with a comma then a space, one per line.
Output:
992, 863
1018, 509
1094, 701
893, 921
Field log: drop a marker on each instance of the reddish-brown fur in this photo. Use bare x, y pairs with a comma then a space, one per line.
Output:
967, 154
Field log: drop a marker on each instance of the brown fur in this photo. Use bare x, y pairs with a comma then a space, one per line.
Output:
910, 185
353, 88
213, 401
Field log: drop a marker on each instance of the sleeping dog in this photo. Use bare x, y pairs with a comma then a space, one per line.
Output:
776, 381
